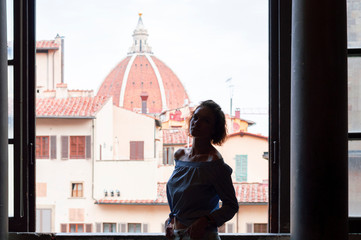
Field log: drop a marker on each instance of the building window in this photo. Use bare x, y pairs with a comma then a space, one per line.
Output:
42, 147
260, 227
109, 227
241, 168
134, 227
77, 190
136, 150
76, 227
168, 158
43, 220
77, 146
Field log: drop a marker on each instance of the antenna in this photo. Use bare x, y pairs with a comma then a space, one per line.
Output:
231, 88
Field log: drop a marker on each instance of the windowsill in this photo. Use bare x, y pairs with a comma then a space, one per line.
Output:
148, 236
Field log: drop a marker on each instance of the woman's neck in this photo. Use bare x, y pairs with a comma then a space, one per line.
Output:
201, 146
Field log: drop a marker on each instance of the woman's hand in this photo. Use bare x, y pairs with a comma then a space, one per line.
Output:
169, 228
198, 228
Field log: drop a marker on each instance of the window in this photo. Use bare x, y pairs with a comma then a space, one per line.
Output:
241, 168
109, 227
80, 147
168, 158
134, 227
137, 150
77, 190
77, 146
42, 147
76, 228
260, 227
43, 220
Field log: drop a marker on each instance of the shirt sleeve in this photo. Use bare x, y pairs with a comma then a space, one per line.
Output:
222, 182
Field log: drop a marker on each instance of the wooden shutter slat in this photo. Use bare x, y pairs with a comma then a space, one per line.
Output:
64, 147
87, 147
52, 147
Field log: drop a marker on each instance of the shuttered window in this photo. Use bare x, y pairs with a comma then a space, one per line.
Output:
168, 153
122, 227
230, 227
137, 150
42, 147
52, 147
241, 168
88, 227
249, 227
87, 147
260, 227
109, 227
145, 227
80, 147
134, 227
98, 227
63, 227
77, 147
64, 147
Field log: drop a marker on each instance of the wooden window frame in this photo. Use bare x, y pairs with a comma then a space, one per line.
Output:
79, 153
76, 227
77, 190
42, 151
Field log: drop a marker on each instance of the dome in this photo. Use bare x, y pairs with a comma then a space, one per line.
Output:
141, 75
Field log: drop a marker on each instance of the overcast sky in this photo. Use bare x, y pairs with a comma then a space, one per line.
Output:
204, 42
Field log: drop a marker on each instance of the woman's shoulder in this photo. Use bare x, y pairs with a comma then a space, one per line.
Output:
180, 153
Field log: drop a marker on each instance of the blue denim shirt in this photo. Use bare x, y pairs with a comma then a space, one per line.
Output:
195, 188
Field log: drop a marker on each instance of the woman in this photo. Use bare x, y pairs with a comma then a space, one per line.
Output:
200, 179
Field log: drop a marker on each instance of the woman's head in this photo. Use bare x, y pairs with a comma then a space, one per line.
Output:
208, 118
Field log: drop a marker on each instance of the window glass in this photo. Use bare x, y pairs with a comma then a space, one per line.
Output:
354, 167
10, 102
10, 27
354, 94
11, 180
354, 23
134, 227
109, 227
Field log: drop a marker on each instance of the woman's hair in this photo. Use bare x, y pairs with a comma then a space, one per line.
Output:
220, 128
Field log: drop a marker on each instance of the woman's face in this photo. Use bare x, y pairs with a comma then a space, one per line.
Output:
202, 123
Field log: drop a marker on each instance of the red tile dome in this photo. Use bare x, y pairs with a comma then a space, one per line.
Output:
141, 73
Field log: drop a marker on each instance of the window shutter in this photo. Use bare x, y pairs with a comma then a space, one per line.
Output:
64, 147
133, 150
98, 227
52, 147
140, 150
63, 227
230, 228
222, 229
88, 227
162, 230
249, 227
145, 227
88, 147
171, 156
241, 168
122, 227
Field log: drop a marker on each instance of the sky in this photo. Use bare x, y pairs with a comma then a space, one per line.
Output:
205, 42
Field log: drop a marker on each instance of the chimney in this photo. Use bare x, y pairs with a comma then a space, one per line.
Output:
61, 90
237, 113
144, 97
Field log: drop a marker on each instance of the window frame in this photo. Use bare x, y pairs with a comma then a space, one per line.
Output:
354, 222
82, 190
40, 144
78, 153
24, 117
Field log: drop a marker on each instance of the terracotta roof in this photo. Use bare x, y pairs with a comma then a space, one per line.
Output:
175, 136
76, 107
242, 133
247, 193
47, 44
